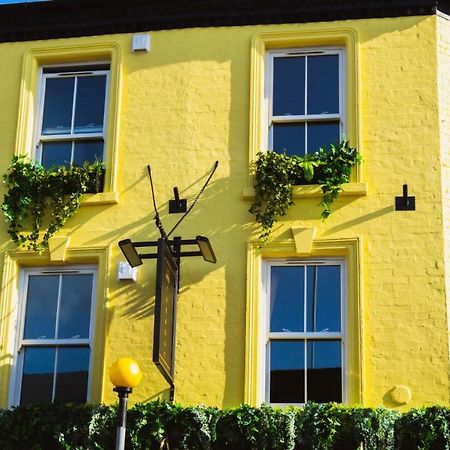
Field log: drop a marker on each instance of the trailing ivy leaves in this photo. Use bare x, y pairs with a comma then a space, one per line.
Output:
32, 190
275, 174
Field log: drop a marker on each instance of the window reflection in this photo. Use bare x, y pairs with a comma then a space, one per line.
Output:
323, 298
72, 375
289, 86
87, 151
56, 340
323, 84
289, 138
90, 104
286, 299
37, 378
74, 106
322, 134
305, 332
305, 102
40, 313
74, 310
56, 154
287, 372
324, 371
57, 116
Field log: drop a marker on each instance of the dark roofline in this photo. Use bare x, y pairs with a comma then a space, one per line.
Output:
71, 18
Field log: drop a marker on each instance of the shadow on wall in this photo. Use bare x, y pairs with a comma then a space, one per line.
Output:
225, 295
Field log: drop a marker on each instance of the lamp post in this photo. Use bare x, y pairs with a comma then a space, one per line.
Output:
125, 375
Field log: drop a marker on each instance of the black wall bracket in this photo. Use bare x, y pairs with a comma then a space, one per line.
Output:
405, 202
178, 205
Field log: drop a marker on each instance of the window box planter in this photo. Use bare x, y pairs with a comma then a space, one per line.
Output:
276, 174
35, 193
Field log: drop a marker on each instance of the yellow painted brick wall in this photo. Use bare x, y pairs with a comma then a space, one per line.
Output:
443, 51
404, 287
184, 105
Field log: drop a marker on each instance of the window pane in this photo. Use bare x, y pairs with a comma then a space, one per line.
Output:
75, 307
40, 314
287, 298
57, 117
289, 138
37, 378
323, 298
323, 84
288, 86
324, 371
72, 374
322, 134
287, 372
90, 104
87, 151
56, 154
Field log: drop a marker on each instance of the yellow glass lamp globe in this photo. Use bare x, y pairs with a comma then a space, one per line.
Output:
125, 372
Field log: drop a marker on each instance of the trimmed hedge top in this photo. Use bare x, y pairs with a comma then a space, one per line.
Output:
161, 425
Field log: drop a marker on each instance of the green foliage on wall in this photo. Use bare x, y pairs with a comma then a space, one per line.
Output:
161, 425
33, 190
275, 174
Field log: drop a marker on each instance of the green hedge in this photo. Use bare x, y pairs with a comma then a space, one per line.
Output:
161, 425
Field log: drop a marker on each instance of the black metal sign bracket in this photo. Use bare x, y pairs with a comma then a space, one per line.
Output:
405, 202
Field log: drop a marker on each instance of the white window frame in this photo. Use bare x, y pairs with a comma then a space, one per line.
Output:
266, 336
270, 119
21, 344
67, 71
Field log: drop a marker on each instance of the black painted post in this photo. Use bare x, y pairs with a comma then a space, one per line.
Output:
122, 393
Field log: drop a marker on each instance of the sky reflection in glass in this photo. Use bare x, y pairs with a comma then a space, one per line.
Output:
289, 138
288, 86
74, 314
323, 308
87, 151
37, 379
323, 298
322, 134
287, 364
323, 84
90, 104
72, 374
58, 103
40, 314
313, 79
294, 290
287, 298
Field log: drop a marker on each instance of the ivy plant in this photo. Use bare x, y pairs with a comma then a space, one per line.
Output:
275, 174
36, 195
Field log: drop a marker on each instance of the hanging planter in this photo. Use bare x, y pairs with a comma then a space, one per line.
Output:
275, 174
35, 193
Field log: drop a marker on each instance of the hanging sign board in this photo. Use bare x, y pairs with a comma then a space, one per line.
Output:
165, 311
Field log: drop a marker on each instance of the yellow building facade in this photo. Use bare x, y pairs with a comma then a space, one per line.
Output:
198, 95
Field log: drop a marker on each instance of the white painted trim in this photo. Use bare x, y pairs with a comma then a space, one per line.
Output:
72, 136
268, 119
443, 15
266, 336
307, 335
49, 342
20, 343
266, 138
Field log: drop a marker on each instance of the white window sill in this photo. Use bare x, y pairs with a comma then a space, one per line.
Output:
102, 198
315, 190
